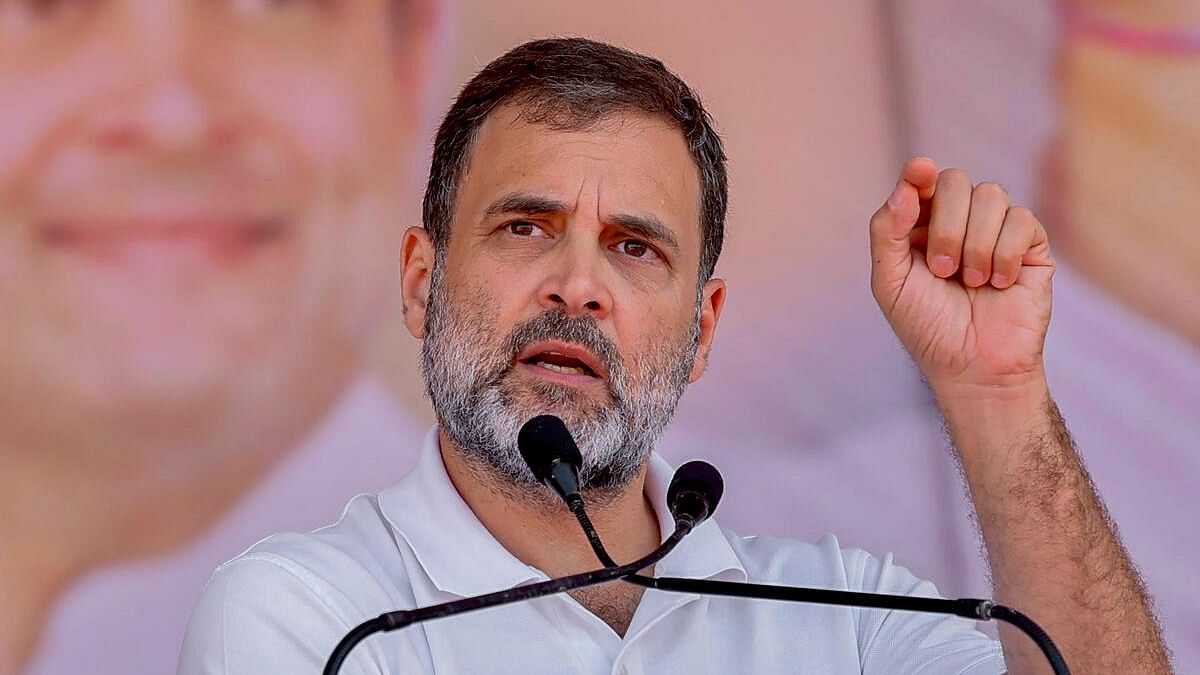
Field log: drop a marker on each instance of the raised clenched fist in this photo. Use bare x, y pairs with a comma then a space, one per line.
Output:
964, 278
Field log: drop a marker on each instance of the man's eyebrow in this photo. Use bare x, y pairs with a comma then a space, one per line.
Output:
525, 203
647, 227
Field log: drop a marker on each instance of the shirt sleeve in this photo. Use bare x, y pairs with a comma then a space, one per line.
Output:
265, 614
895, 642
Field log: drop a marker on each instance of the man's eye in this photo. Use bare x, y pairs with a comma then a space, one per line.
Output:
523, 228
637, 249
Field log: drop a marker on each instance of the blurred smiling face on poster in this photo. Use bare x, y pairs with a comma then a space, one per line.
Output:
197, 214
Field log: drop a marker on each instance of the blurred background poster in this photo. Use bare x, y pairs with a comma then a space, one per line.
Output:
200, 205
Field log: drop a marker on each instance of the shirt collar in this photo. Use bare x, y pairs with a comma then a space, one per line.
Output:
461, 557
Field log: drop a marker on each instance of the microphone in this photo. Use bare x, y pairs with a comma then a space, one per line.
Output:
550, 451
694, 492
554, 458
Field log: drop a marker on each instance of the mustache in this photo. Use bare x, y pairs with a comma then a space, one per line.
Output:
556, 324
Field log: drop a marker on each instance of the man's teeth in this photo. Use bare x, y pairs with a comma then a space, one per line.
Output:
566, 370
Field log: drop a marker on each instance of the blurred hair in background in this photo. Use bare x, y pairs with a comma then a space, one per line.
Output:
200, 204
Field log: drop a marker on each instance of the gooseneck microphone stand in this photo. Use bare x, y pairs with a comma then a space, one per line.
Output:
391, 621
693, 495
969, 608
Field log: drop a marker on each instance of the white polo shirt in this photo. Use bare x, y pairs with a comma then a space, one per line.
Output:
281, 606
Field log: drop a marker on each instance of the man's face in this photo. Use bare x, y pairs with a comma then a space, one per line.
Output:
569, 287
195, 204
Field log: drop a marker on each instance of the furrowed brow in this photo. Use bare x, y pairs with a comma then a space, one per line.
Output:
524, 203
647, 227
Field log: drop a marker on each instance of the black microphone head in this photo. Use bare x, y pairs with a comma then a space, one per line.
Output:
544, 442
695, 491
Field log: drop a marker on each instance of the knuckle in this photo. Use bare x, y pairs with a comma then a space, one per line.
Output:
954, 177
991, 189
1006, 259
1021, 214
943, 244
978, 254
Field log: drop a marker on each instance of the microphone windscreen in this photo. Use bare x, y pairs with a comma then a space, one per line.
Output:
699, 477
545, 440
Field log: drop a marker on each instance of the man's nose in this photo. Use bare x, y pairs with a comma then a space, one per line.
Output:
164, 100
577, 278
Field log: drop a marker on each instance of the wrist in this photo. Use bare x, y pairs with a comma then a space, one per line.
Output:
993, 422
955, 396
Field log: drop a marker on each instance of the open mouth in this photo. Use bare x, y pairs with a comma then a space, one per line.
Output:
563, 359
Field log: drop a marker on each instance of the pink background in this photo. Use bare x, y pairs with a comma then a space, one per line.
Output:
811, 408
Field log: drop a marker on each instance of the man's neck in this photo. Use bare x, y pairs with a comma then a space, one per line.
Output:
541, 532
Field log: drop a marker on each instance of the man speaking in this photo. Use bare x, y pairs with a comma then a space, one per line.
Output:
572, 223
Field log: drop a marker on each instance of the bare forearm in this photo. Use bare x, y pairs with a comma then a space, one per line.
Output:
1052, 549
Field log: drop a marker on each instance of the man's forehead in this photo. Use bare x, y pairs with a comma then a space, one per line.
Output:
636, 161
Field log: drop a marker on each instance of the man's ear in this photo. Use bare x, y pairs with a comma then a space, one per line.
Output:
416, 273
712, 300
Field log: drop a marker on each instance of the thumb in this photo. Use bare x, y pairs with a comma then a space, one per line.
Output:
891, 248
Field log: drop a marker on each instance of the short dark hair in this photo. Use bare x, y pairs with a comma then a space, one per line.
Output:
571, 84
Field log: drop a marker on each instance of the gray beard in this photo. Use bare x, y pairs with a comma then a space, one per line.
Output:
481, 410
